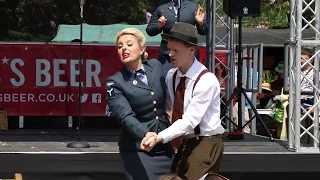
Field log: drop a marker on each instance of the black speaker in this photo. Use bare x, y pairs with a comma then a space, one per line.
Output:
241, 8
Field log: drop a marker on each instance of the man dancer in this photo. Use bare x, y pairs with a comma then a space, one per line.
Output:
196, 123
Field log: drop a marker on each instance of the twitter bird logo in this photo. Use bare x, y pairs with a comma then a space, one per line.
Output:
84, 98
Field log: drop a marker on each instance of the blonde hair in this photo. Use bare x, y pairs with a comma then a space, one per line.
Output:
140, 38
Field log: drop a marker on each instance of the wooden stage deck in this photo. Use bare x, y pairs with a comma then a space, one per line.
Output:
42, 154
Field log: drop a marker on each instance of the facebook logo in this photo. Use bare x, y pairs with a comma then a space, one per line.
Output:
96, 98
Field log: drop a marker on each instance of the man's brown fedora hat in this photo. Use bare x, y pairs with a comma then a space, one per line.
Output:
184, 32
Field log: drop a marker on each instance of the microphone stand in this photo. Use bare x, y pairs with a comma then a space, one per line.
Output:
238, 133
80, 142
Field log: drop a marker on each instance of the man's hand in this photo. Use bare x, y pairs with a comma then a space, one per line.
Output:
149, 137
149, 141
161, 21
199, 15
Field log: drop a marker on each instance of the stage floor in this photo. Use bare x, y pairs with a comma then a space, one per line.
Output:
38, 153
105, 141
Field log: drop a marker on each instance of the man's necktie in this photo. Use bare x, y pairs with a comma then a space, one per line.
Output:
177, 111
175, 6
141, 74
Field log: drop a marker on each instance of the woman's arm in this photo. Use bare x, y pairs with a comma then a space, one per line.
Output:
121, 109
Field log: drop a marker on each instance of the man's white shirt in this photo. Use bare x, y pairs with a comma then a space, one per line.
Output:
200, 107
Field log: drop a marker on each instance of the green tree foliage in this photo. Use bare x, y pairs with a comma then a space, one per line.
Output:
275, 12
34, 16
40, 18
8, 17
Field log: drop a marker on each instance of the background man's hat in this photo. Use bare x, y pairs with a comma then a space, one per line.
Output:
184, 32
280, 67
266, 86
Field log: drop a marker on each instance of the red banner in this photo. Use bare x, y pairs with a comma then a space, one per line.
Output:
43, 79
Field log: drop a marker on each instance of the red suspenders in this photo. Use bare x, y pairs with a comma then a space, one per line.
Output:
196, 129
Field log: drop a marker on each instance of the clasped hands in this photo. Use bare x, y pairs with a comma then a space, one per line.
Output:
149, 141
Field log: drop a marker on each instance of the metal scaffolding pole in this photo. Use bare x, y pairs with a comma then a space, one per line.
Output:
303, 132
215, 42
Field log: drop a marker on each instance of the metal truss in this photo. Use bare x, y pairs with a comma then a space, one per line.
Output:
303, 121
221, 44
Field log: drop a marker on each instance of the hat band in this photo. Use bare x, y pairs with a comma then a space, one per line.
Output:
184, 37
